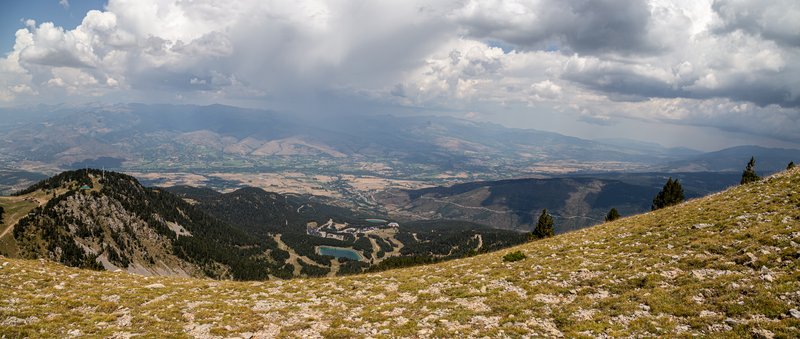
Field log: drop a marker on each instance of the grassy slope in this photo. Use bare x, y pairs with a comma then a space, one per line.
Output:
724, 265
15, 209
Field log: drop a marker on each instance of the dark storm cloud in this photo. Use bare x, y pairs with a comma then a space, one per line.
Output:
623, 83
582, 26
778, 21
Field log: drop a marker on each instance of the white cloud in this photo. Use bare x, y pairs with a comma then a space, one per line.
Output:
682, 61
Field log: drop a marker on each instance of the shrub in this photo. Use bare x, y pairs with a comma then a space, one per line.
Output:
514, 256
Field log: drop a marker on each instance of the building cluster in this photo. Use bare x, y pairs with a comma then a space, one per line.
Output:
332, 232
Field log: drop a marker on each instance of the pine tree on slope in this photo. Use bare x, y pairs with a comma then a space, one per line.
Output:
612, 215
749, 175
544, 228
671, 194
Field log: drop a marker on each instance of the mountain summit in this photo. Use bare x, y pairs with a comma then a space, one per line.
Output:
723, 265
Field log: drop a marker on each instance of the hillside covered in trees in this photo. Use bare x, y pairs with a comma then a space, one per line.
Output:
106, 220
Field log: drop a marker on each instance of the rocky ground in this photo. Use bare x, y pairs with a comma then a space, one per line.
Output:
725, 265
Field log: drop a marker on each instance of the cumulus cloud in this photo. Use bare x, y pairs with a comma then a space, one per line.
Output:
725, 64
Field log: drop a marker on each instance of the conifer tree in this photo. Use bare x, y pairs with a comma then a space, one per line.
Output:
544, 228
749, 175
612, 215
671, 194
790, 166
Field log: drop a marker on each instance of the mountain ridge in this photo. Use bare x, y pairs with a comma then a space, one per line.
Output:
87, 132
721, 265
107, 220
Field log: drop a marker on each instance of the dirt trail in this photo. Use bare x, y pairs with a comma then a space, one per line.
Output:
334, 267
294, 257
397, 247
375, 249
466, 207
15, 209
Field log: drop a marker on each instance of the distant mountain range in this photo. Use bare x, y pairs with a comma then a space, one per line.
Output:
188, 137
768, 160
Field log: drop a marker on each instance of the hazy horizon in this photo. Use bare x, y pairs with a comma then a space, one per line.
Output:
611, 139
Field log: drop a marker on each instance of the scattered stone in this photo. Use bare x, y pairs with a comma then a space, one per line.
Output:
706, 313
548, 326
110, 298
766, 274
473, 304
401, 320
762, 333
701, 226
601, 294
682, 328
671, 274
552, 299
198, 331
719, 328
582, 314
156, 285
124, 320
508, 287
424, 332
14, 321
732, 321
795, 313
698, 299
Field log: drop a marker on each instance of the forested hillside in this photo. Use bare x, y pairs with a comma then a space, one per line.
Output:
106, 220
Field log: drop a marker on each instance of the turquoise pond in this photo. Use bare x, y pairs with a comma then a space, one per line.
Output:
376, 221
339, 252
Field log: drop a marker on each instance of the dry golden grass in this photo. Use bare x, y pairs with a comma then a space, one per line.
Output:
726, 265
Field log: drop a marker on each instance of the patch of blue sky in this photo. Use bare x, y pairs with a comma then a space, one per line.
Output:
67, 14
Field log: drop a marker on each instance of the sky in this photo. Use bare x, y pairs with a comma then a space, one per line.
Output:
692, 73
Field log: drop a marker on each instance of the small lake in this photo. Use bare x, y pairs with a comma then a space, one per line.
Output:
339, 252
376, 221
